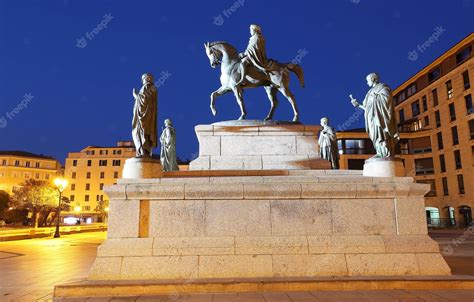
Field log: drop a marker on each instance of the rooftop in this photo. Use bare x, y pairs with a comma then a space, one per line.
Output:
25, 154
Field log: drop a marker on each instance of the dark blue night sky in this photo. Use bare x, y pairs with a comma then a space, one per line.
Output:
77, 97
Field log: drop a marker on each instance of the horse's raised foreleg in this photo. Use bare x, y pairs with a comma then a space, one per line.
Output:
291, 98
238, 92
271, 93
222, 90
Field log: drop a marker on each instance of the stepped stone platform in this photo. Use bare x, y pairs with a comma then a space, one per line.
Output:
259, 209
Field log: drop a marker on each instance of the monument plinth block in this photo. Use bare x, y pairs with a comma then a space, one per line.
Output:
142, 167
384, 167
257, 145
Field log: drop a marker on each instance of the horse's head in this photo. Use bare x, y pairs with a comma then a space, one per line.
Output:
213, 54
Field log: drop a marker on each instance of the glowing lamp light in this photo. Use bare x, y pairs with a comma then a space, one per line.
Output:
60, 183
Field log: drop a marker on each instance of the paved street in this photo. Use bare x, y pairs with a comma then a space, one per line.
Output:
30, 268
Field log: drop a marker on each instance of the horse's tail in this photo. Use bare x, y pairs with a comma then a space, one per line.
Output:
298, 71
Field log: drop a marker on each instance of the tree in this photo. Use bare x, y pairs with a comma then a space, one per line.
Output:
101, 208
4, 203
39, 197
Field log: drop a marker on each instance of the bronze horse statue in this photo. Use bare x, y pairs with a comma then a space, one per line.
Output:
277, 79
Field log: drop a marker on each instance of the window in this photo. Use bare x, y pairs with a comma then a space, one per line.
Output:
434, 93
411, 90
442, 163
463, 55
452, 112
88, 175
468, 101
46, 176
471, 128
74, 163
440, 140
401, 115
4, 162
89, 162
457, 159
465, 77
73, 187
97, 197
415, 108
86, 208
102, 174
445, 186
86, 198
432, 184
27, 164
73, 175
116, 162
427, 120
424, 166
88, 187
102, 163
101, 186
115, 174
71, 198
454, 132
461, 184
425, 103
434, 74
438, 119
449, 89
37, 175
17, 163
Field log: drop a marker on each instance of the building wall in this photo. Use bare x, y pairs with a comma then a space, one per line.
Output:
16, 169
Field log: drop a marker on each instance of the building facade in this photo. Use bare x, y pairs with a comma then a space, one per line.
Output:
435, 117
18, 166
88, 171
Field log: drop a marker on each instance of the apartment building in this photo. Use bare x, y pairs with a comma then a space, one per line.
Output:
18, 166
88, 171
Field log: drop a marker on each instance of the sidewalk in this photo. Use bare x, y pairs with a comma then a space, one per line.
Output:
29, 233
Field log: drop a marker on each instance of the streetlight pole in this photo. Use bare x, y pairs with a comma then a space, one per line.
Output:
60, 184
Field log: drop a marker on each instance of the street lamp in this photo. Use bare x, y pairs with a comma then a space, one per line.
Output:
60, 184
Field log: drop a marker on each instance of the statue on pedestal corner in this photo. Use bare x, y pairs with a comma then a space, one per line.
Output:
144, 117
328, 144
168, 147
379, 113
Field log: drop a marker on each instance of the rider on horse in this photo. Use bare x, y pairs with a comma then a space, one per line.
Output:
255, 53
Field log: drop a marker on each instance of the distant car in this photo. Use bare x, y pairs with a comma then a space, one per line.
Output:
28, 222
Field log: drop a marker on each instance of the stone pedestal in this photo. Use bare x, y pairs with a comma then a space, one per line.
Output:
384, 167
256, 145
135, 168
304, 224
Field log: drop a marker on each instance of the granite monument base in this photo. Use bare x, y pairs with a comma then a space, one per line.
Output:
304, 224
258, 145
384, 167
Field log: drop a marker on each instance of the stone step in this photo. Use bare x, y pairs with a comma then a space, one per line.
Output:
85, 288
